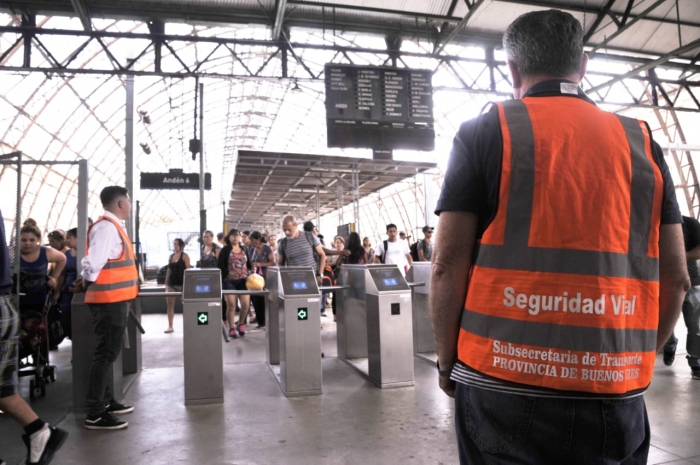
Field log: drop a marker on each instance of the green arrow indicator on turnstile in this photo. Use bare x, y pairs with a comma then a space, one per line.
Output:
202, 318
302, 313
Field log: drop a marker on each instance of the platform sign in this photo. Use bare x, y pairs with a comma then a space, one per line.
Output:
381, 108
174, 179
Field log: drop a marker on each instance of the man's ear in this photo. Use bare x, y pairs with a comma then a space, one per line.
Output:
515, 75
584, 66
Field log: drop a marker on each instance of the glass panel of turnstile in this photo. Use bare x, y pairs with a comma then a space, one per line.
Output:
375, 333
294, 330
202, 342
423, 339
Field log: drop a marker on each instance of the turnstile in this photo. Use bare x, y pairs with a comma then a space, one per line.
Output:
423, 338
202, 342
293, 336
375, 333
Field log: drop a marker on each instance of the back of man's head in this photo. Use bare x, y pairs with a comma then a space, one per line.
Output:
545, 43
309, 226
111, 194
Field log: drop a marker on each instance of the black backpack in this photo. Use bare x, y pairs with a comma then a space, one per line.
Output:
55, 329
414, 251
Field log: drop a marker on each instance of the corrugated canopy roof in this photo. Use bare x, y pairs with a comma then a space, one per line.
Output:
652, 27
269, 185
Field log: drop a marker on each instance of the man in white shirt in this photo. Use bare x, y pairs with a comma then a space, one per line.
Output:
397, 253
110, 282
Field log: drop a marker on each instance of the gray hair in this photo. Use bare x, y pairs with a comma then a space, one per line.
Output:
545, 43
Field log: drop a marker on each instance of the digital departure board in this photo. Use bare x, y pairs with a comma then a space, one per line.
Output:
379, 107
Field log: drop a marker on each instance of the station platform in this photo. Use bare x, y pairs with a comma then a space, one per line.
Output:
353, 422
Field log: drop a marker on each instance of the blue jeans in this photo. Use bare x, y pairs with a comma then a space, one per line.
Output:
109, 321
691, 315
495, 428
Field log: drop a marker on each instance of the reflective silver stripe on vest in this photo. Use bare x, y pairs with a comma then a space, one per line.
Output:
111, 265
113, 286
556, 336
515, 253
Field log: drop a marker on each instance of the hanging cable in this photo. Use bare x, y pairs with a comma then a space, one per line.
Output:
195, 144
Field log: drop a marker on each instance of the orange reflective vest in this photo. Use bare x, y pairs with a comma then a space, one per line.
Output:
118, 280
564, 291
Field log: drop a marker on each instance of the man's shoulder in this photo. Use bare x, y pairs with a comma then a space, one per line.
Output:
486, 124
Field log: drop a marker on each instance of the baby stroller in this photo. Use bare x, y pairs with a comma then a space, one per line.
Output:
34, 343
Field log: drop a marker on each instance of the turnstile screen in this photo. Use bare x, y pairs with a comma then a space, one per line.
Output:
299, 282
201, 285
388, 279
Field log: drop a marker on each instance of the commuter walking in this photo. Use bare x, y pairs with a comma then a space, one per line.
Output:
272, 242
356, 256
262, 256
68, 277
35, 281
367, 245
220, 239
547, 332
393, 251
235, 266
425, 245
109, 279
404, 237
42, 440
178, 262
299, 248
210, 251
57, 240
691, 302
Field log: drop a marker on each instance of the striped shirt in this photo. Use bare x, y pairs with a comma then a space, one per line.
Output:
298, 252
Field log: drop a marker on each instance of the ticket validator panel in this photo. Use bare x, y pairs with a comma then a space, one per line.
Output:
299, 282
388, 279
201, 285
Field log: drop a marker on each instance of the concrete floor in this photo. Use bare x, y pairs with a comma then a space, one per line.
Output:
351, 423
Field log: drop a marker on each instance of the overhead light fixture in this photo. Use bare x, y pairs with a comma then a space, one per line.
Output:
296, 87
146, 149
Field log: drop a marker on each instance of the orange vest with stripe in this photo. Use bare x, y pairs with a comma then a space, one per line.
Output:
564, 291
118, 280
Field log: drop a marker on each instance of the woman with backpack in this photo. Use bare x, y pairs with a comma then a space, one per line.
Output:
235, 266
178, 262
262, 256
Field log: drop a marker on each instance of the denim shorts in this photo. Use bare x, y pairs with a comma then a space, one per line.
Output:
234, 284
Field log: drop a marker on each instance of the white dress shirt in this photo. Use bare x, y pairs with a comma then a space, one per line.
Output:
105, 243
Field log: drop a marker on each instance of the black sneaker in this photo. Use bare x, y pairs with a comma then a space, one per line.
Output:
695, 372
42, 445
669, 358
105, 421
115, 408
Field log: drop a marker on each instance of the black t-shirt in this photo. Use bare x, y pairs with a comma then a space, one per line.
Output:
474, 171
691, 239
